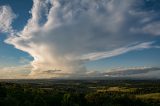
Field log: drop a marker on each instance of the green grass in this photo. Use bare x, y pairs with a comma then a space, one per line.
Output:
117, 89
150, 96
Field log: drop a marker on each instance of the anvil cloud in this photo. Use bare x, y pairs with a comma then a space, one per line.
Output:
64, 34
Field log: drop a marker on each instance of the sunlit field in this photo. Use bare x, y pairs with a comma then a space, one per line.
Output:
80, 93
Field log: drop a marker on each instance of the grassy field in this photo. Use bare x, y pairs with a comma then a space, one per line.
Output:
117, 89
80, 93
149, 96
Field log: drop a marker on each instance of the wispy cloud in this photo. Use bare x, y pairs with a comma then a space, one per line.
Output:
6, 18
23, 60
119, 51
152, 28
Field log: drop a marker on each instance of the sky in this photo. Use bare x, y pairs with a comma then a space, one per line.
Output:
79, 38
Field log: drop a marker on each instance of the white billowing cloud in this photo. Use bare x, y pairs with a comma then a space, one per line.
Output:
39, 11
6, 18
119, 51
61, 33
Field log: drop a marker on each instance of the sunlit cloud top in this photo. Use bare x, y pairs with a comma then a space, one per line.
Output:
64, 35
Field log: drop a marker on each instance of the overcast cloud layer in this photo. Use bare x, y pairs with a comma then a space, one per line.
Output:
64, 34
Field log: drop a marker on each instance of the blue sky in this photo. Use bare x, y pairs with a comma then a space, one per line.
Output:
77, 37
8, 54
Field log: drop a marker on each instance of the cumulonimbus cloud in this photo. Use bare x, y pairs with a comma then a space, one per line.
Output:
63, 34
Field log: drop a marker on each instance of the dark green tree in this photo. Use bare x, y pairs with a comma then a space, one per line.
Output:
39, 101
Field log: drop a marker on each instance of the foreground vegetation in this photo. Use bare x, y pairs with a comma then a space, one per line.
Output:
80, 93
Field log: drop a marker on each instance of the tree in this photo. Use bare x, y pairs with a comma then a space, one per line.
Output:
39, 101
68, 100
2, 92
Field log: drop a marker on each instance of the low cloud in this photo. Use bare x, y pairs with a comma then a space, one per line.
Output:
132, 71
16, 72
